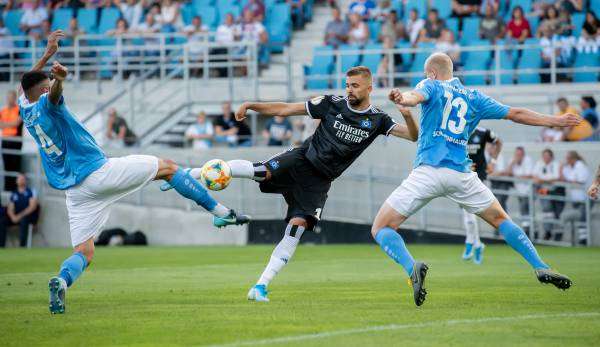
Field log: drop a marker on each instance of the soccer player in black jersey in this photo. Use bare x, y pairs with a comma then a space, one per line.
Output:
476, 148
303, 175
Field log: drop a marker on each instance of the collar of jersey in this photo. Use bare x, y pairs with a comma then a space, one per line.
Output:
357, 111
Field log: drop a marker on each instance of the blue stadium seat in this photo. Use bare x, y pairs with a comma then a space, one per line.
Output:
235, 10
61, 18
209, 17
308, 10
577, 20
420, 5
201, 4
417, 66
371, 60
534, 22
586, 60
350, 59
87, 19
595, 6
470, 30
507, 62
187, 13
443, 6
406, 57
108, 19
374, 30
531, 59
452, 24
12, 20
476, 61
321, 65
279, 26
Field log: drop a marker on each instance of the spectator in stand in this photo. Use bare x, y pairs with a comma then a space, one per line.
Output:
227, 32
336, 31
118, 132
539, 7
12, 139
257, 7
497, 168
22, 210
230, 131
131, 11
589, 41
362, 8
33, 18
414, 25
6, 46
170, 17
550, 22
575, 170
582, 131
521, 167
278, 131
392, 28
196, 34
384, 63
549, 42
570, 6
382, 11
253, 30
74, 30
46, 30
545, 172
491, 27
588, 110
359, 31
121, 28
566, 26
433, 28
518, 29
465, 8
147, 28
201, 133
495, 4
447, 44
555, 134
297, 7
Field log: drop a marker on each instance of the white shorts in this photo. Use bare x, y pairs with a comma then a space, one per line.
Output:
88, 203
426, 183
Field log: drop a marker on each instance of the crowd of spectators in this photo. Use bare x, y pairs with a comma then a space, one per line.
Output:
587, 130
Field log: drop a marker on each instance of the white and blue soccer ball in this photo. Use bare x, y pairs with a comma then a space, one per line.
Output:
216, 174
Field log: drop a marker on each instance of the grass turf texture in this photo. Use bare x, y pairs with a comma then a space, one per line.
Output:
197, 296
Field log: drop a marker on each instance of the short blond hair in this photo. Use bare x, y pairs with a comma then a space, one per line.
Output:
440, 63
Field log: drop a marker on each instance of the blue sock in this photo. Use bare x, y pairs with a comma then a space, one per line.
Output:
468, 248
516, 238
72, 268
188, 187
393, 245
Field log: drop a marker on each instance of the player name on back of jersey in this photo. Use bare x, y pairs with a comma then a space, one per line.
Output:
448, 138
349, 133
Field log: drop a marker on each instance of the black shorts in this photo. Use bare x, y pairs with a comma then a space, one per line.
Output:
303, 187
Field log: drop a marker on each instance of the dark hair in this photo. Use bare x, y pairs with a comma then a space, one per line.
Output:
562, 99
520, 148
359, 70
547, 12
434, 10
549, 151
31, 79
512, 14
590, 100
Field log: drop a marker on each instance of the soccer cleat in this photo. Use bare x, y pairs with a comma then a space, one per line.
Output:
258, 293
560, 281
231, 219
478, 254
468, 253
58, 288
417, 280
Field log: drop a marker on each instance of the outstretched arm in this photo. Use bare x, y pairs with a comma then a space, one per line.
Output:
409, 99
271, 109
51, 49
410, 131
60, 73
529, 117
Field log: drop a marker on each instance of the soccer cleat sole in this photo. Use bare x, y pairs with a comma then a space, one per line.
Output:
558, 280
56, 305
240, 220
420, 293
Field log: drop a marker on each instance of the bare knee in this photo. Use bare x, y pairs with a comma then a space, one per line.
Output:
299, 221
387, 217
494, 215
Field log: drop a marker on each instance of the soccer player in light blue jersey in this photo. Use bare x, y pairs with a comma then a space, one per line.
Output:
450, 113
73, 162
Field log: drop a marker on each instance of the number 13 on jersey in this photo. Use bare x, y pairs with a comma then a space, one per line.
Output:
461, 105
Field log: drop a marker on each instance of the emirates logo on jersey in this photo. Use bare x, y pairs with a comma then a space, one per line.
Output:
350, 133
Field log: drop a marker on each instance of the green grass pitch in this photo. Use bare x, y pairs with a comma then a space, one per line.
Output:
326, 296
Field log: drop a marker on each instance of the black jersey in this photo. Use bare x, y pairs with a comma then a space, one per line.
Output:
344, 133
476, 147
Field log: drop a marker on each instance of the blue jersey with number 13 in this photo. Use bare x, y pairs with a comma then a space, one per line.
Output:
450, 113
69, 152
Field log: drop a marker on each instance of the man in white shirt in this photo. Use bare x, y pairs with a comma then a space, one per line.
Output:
414, 25
131, 11
227, 32
522, 167
546, 172
148, 28
576, 171
31, 22
201, 133
196, 33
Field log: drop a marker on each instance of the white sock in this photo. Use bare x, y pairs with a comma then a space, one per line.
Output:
472, 229
196, 172
282, 254
221, 211
247, 169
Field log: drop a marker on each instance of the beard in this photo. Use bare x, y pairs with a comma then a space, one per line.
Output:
354, 101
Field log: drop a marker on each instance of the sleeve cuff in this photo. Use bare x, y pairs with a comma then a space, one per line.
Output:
387, 133
308, 109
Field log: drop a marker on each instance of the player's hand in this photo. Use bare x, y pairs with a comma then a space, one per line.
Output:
568, 120
241, 112
53, 38
395, 96
593, 191
58, 71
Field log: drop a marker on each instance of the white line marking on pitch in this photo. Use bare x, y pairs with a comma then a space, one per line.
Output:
328, 334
